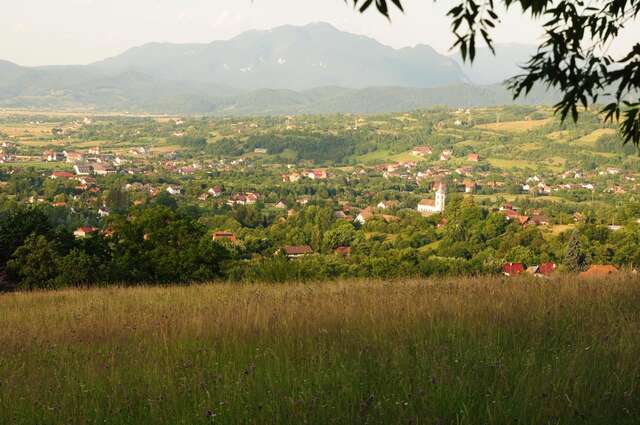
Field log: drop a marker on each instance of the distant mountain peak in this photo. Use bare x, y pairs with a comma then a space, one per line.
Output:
310, 68
291, 57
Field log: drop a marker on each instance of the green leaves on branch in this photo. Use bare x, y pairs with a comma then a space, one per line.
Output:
381, 5
573, 56
468, 19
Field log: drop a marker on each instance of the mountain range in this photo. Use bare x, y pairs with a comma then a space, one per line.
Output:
307, 69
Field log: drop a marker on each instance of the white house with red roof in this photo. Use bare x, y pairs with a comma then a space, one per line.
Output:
317, 174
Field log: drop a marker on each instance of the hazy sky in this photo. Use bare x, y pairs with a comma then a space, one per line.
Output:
40, 32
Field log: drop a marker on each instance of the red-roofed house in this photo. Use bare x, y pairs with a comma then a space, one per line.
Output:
297, 251
421, 151
84, 231
345, 251
473, 157
446, 155
512, 269
225, 236
599, 270
61, 175
469, 186
73, 156
248, 198
215, 191
540, 220
317, 174
365, 214
547, 268
542, 270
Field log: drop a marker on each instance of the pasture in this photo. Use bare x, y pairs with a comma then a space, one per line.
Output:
454, 351
515, 126
590, 139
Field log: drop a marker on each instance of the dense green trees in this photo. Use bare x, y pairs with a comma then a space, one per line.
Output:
304, 147
117, 198
159, 244
341, 233
35, 263
576, 259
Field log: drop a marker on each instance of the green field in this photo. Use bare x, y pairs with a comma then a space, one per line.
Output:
385, 155
466, 351
554, 163
590, 139
39, 165
512, 163
515, 126
509, 197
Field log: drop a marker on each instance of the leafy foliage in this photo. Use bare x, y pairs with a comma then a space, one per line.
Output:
35, 263
573, 57
576, 259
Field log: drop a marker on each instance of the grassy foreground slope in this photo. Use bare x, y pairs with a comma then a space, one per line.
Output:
485, 350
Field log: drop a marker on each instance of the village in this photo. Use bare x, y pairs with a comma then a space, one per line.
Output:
252, 177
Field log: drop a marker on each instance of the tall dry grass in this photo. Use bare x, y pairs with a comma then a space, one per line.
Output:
465, 351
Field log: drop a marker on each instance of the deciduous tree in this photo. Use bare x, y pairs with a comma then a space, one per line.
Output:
574, 55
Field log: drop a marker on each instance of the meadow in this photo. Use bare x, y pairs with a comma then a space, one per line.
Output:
453, 351
515, 126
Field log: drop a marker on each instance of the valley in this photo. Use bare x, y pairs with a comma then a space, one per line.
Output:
315, 196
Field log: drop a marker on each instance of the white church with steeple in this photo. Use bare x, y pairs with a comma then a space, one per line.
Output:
434, 206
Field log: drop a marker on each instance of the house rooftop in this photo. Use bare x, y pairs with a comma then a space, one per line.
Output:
298, 250
599, 270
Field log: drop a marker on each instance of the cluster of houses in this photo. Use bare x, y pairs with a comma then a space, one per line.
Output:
84, 164
463, 178
247, 198
85, 182
215, 192
471, 179
445, 154
548, 269
6, 155
512, 213
317, 174
515, 269
577, 180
